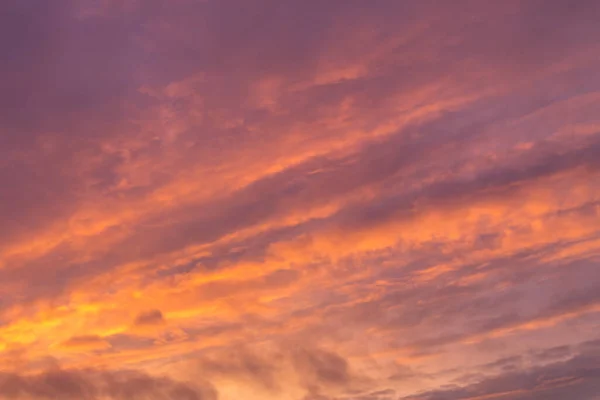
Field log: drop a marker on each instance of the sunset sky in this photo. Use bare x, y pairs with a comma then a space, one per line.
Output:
299, 199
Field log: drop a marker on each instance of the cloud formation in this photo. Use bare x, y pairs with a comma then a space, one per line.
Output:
576, 378
94, 385
299, 200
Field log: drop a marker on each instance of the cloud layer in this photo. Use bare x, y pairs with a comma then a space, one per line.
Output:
299, 200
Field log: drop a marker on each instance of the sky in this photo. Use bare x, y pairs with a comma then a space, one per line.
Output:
299, 200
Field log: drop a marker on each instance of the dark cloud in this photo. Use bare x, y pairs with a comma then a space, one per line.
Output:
576, 378
552, 353
386, 394
590, 346
506, 363
96, 385
322, 368
322, 371
496, 182
152, 317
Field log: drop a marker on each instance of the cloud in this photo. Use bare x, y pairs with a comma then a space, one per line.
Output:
576, 377
255, 366
92, 385
281, 368
322, 368
330, 200
152, 317
87, 342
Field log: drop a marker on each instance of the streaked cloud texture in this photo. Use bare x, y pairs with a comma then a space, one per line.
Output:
299, 200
